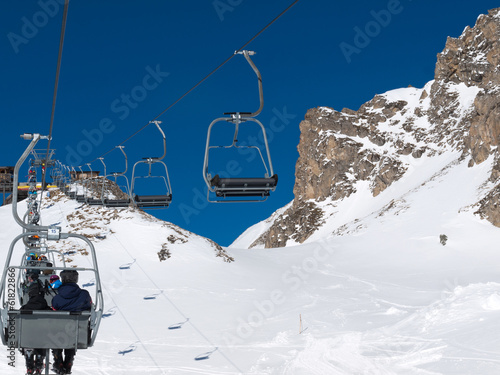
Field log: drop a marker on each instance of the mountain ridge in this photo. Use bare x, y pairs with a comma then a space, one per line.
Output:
456, 112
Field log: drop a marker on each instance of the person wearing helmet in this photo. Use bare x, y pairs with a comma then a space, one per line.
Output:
69, 298
31, 278
54, 282
35, 293
34, 357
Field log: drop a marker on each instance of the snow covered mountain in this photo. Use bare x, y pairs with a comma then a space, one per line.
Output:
401, 135
388, 296
389, 266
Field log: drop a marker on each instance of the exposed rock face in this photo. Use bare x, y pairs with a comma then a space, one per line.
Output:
459, 110
473, 59
94, 188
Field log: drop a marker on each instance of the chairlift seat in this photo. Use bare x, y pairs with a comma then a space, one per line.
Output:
94, 202
117, 202
242, 193
244, 187
153, 200
80, 198
247, 183
46, 329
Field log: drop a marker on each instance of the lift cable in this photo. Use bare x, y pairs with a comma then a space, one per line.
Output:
58, 69
203, 79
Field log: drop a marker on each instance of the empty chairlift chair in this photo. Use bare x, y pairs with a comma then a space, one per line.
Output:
241, 189
72, 182
162, 200
119, 202
80, 195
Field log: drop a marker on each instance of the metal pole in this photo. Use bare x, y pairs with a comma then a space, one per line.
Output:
34, 139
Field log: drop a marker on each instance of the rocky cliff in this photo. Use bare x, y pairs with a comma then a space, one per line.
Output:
458, 111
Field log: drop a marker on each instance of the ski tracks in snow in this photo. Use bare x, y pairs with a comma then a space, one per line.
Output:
449, 333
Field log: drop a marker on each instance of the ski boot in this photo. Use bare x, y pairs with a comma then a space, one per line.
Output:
68, 364
30, 361
39, 366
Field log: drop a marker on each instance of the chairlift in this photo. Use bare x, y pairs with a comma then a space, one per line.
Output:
46, 329
153, 201
45, 268
81, 198
119, 202
43, 329
59, 177
67, 180
241, 189
72, 178
43, 158
58, 174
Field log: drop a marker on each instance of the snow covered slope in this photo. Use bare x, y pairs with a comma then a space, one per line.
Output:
382, 295
392, 271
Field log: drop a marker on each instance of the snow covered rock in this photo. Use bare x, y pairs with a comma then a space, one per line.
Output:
457, 112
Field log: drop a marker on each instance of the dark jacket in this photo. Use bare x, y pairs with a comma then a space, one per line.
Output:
36, 299
71, 298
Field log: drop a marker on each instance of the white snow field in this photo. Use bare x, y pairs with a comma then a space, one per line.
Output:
372, 292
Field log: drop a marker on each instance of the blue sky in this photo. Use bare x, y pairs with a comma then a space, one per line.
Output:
124, 62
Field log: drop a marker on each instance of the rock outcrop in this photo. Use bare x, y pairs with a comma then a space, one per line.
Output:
459, 110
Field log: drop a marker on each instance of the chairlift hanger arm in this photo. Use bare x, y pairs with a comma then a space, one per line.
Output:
34, 140
157, 123
259, 79
115, 174
102, 161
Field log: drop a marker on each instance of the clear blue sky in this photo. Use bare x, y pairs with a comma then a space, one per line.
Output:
321, 53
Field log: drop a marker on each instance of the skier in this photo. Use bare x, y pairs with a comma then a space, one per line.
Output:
55, 282
34, 357
69, 298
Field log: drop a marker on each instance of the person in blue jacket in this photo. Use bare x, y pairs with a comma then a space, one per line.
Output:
69, 298
55, 282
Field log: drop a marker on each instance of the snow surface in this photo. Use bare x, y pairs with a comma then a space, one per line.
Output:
372, 292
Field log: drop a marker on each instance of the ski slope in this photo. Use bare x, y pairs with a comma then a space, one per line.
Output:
374, 292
